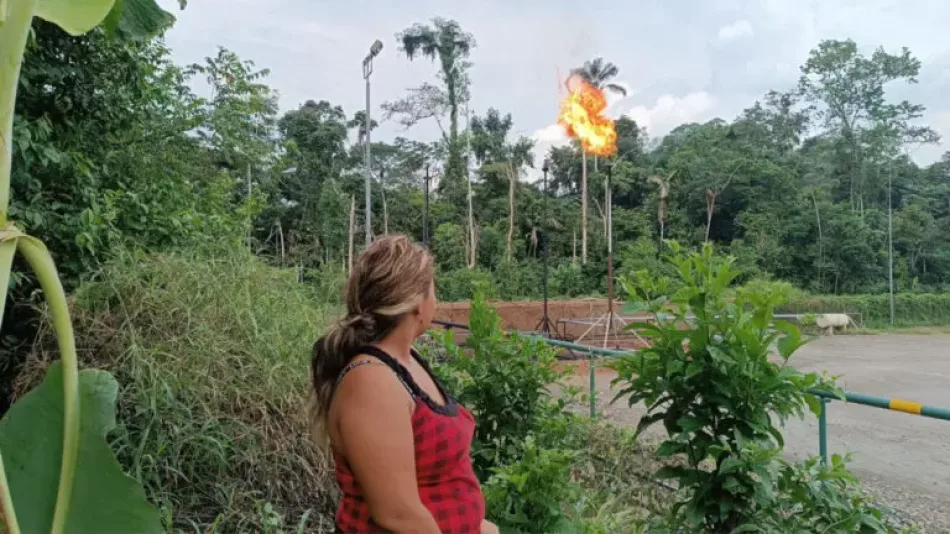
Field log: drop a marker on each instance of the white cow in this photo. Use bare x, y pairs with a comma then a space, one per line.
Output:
828, 321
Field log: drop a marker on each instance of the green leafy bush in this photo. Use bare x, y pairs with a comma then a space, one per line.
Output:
812, 497
503, 379
528, 496
463, 283
708, 377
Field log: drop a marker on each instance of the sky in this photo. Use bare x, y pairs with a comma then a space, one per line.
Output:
682, 60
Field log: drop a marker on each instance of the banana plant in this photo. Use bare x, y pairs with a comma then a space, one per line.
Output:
53, 439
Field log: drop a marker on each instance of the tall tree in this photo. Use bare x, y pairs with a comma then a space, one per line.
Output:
500, 157
598, 72
307, 197
849, 87
443, 41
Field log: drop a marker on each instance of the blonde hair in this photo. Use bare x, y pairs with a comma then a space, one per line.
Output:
390, 278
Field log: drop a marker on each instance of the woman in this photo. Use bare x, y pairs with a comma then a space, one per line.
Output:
401, 443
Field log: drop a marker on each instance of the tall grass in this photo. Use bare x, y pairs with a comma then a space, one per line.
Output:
212, 352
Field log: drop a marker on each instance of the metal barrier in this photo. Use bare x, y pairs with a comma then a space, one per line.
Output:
897, 405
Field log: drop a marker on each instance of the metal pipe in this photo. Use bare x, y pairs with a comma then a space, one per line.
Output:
592, 392
823, 431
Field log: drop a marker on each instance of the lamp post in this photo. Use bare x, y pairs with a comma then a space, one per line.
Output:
367, 70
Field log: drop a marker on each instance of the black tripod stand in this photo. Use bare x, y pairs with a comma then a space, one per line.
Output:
546, 325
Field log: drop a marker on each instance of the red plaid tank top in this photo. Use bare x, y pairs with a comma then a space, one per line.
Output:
443, 441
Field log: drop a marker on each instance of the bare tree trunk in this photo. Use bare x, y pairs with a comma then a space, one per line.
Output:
349, 260
574, 254
710, 206
280, 235
382, 191
603, 217
584, 208
511, 211
821, 252
473, 245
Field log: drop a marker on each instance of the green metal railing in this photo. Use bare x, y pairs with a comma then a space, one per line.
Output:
892, 404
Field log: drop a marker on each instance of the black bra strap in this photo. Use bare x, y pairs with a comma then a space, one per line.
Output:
360, 363
450, 407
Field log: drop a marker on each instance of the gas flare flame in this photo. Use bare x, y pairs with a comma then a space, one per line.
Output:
581, 116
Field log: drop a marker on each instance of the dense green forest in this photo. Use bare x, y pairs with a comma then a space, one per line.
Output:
113, 148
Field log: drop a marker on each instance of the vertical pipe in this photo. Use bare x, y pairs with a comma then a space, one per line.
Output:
823, 431
368, 178
593, 386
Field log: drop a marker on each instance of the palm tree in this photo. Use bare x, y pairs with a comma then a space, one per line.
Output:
444, 41
597, 72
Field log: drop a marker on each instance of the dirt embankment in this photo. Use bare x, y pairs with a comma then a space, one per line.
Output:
578, 320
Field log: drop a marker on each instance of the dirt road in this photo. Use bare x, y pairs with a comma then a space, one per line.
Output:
900, 458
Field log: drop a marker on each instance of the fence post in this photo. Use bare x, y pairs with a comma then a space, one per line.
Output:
592, 392
823, 431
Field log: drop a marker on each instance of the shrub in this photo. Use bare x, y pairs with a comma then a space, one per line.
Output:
567, 280
527, 496
708, 377
463, 283
812, 497
503, 380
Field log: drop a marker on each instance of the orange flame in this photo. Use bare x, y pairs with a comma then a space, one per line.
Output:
581, 116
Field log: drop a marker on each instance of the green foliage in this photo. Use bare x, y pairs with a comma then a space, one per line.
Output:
211, 349
31, 437
464, 284
526, 497
709, 379
121, 129
503, 380
812, 497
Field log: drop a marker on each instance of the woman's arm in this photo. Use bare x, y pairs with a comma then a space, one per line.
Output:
375, 434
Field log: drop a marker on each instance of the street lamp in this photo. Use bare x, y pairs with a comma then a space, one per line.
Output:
367, 70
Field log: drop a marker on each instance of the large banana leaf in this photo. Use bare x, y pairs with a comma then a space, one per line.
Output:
105, 500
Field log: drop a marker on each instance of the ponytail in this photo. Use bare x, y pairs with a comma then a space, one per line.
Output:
387, 282
331, 354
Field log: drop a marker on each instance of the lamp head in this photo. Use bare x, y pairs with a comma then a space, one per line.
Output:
376, 48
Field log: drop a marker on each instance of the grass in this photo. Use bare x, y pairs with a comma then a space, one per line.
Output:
212, 351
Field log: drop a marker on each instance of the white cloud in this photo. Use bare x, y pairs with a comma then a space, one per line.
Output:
551, 135
739, 29
670, 111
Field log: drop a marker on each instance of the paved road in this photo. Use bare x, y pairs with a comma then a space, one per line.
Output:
901, 458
